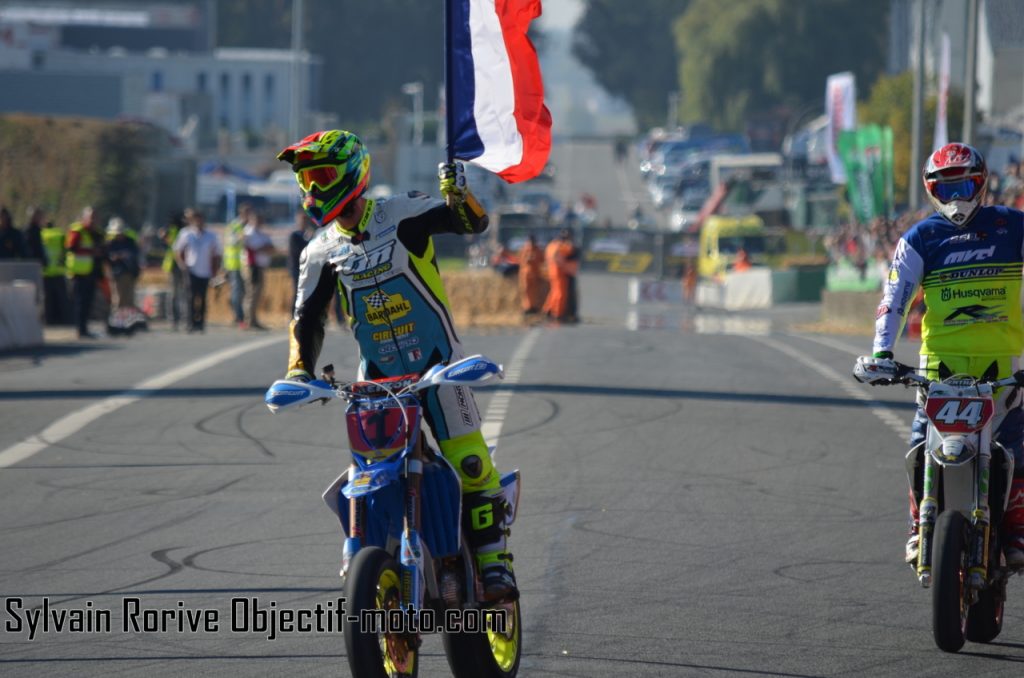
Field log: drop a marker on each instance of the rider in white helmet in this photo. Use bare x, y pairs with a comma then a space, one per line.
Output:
968, 258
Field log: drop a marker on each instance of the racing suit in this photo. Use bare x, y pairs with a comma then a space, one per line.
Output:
392, 293
971, 276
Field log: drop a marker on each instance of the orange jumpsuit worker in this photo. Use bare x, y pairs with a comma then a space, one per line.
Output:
557, 303
531, 288
742, 261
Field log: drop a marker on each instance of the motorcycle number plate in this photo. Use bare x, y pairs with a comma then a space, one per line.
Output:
959, 415
379, 432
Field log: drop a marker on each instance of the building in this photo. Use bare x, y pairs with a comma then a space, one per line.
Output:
152, 62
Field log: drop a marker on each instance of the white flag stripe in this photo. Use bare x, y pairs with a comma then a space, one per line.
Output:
494, 103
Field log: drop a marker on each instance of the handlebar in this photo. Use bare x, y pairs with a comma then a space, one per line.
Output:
908, 375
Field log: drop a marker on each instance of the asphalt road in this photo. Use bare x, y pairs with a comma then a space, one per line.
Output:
693, 503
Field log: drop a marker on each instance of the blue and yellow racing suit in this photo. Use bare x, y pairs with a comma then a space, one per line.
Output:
971, 277
392, 293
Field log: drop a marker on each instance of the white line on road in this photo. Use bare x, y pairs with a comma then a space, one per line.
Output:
891, 419
71, 424
498, 407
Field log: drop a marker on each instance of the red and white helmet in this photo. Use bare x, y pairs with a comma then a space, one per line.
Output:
956, 178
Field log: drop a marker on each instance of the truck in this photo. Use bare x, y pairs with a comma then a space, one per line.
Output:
722, 237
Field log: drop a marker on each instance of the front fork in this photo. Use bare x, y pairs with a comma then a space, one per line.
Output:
980, 519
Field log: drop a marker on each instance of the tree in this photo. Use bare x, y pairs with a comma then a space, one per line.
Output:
891, 103
743, 57
369, 49
629, 48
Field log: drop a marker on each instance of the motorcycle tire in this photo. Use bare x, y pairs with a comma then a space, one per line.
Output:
374, 582
985, 619
490, 653
949, 608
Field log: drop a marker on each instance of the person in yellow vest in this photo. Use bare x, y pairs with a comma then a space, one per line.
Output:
234, 250
55, 287
175, 276
84, 247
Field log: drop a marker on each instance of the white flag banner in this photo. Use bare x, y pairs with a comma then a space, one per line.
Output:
841, 110
941, 133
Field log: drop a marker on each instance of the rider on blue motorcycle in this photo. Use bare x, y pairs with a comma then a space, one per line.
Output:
380, 255
968, 258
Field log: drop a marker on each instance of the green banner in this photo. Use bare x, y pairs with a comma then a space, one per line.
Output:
867, 157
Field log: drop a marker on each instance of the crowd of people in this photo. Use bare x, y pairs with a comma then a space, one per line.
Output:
869, 247
85, 263
75, 261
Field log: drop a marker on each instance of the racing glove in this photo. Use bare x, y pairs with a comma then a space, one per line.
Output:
878, 369
299, 375
452, 176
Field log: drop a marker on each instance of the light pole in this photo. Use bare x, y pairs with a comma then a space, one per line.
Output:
415, 90
296, 107
970, 72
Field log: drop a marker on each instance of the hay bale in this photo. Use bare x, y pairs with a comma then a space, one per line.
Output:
478, 298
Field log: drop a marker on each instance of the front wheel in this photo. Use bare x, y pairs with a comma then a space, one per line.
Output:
492, 652
374, 582
985, 620
949, 562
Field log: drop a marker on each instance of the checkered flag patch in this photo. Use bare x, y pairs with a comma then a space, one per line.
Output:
376, 300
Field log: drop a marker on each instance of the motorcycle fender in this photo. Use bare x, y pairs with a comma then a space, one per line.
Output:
958, 488
510, 493
331, 496
1004, 459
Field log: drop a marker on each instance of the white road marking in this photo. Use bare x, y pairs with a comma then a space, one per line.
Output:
74, 422
841, 346
498, 407
898, 423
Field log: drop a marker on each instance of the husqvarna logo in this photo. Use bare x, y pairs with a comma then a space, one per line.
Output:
970, 255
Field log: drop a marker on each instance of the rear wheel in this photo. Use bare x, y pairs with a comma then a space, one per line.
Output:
490, 653
949, 563
374, 582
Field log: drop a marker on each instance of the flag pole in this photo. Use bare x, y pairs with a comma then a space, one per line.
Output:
448, 85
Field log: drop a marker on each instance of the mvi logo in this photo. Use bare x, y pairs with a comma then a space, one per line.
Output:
971, 255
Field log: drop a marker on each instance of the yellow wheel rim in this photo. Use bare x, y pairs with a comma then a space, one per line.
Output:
399, 658
505, 646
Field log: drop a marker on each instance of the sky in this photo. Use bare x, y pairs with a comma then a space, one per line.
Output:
560, 14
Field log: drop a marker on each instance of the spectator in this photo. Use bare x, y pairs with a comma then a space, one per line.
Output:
742, 262
55, 286
83, 258
256, 260
176, 276
297, 241
234, 246
33, 236
531, 288
198, 253
12, 245
123, 260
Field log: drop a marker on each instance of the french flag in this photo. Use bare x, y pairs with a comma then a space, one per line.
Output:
496, 112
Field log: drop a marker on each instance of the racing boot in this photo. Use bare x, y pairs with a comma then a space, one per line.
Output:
484, 524
1013, 525
914, 540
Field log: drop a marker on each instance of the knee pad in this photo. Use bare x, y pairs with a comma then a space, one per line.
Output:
472, 461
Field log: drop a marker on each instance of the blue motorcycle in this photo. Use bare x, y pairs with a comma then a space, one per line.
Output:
407, 570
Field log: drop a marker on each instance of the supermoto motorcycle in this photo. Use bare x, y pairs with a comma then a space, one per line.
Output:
407, 570
962, 480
